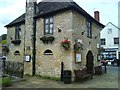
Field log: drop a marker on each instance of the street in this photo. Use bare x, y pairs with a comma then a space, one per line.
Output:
106, 80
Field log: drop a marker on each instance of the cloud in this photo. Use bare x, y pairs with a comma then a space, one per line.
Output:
11, 9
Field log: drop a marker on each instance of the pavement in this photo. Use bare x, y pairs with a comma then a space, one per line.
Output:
106, 80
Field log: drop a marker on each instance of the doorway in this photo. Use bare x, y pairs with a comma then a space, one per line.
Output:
89, 62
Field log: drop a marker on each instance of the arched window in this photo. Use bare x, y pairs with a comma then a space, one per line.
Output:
48, 52
17, 53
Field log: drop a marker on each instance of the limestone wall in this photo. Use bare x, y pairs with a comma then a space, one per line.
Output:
51, 64
79, 26
12, 47
72, 25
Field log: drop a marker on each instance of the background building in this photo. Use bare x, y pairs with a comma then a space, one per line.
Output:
110, 41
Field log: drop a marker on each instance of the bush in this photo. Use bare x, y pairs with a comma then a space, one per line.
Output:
4, 41
6, 81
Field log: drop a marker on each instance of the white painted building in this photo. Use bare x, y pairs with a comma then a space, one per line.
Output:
119, 21
110, 40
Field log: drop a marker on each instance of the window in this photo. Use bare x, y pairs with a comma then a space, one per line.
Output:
89, 29
48, 52
103, 42
17, 53
116, 40
48, 25
109, 30
17, 32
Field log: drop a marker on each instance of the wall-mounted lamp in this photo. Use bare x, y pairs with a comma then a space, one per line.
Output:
89, 42
59, 30
96, 37
83, 32
11, 38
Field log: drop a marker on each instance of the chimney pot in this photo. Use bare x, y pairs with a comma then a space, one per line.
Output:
96, 15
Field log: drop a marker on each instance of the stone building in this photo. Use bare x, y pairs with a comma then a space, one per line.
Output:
52, 34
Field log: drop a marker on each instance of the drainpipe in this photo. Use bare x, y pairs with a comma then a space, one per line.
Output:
34, 42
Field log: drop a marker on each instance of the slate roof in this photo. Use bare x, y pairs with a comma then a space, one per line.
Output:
47, 8
20, 19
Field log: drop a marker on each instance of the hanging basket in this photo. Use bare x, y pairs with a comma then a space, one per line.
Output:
78, 46
65, 44
47, 39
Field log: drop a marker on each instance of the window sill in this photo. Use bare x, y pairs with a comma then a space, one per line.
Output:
47, 39
16, 42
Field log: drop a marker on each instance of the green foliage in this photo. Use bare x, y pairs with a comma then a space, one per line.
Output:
48, 77
6, 81
55, 78
4, 42
4, 36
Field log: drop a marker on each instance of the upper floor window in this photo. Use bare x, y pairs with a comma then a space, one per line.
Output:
89, 29
116, 40
17, 32
103, 42
48, 25
109, 30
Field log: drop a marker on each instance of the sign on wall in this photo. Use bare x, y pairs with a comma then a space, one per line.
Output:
78, 57
27, 58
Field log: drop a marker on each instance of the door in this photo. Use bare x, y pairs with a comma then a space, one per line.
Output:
89, 62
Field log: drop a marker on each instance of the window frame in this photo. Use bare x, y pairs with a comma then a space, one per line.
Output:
18, 32
17, 52
104, 41
49, 23
89, 28
115, 40
109, 30
48, 52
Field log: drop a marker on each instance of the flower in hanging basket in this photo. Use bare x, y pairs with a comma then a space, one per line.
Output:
78, 46
66, 44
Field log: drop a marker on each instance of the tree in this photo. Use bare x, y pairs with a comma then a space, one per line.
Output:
4, 36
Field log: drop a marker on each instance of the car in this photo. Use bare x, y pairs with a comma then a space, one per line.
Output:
116, 62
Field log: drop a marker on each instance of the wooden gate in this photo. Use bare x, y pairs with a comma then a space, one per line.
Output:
89, 62
13, 68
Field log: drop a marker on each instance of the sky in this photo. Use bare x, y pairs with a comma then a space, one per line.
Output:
11, 9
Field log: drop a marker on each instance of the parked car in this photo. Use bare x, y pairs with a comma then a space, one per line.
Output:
116, 62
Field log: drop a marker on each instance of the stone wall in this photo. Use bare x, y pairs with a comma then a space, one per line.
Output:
79, 26
72, 25
51, 64
12, 47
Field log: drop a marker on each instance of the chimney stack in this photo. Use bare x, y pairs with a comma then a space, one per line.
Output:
96, 15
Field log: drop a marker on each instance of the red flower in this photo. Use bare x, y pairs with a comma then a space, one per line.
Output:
65, 41
66, 44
